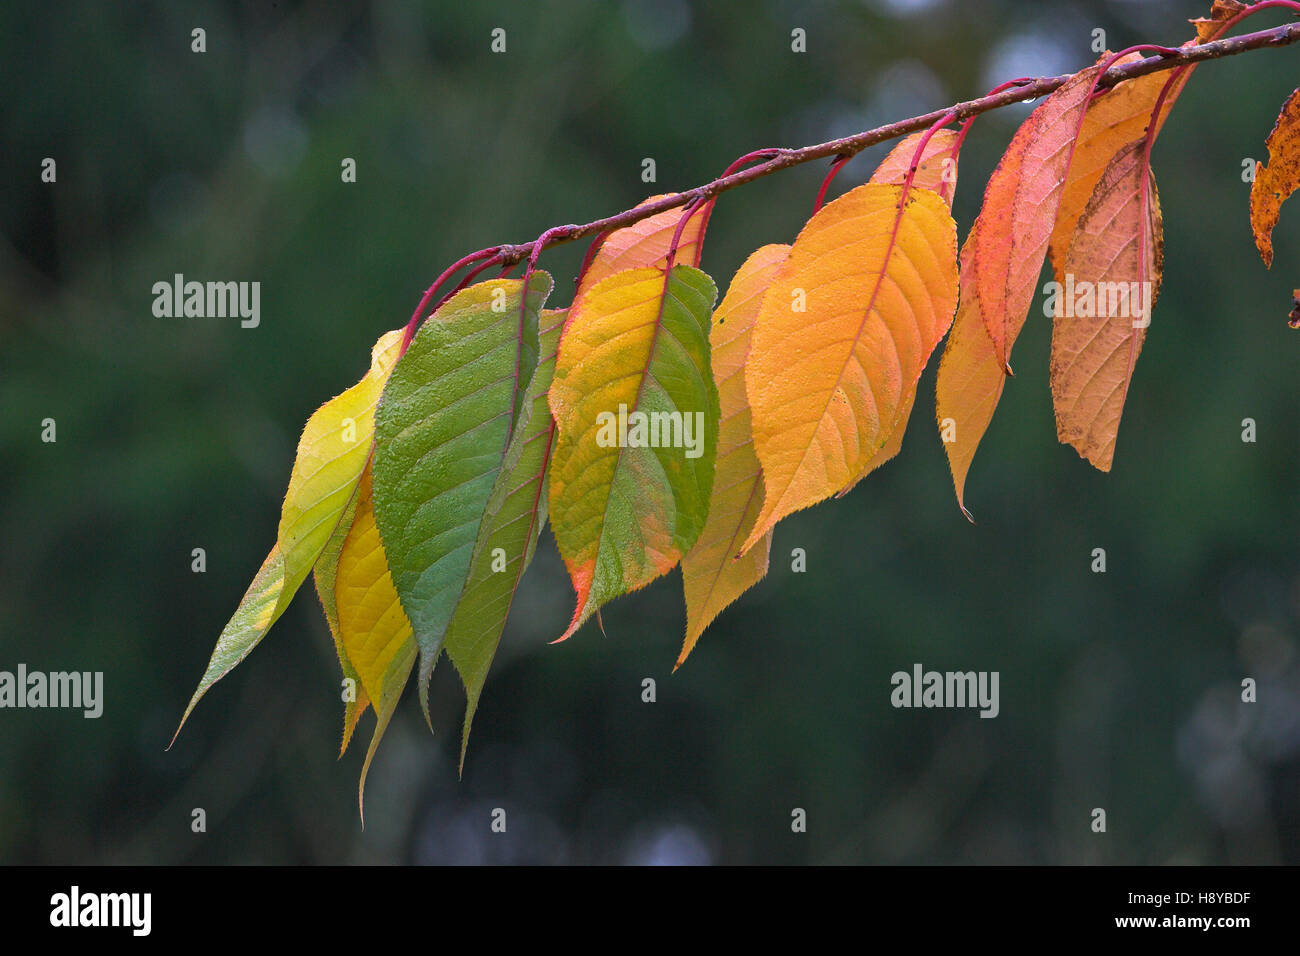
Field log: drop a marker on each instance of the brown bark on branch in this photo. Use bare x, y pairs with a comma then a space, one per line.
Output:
851, 145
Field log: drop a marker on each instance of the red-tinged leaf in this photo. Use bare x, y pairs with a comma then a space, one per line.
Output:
1279, 179
1000, 263
1117, 252
624, 505
1009, 239
642, 245
1115, 119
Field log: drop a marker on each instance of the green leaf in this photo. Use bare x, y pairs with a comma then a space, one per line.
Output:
508, 535
624, 513
442, 428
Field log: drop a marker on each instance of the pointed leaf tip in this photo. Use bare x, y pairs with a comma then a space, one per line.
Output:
332, 452
833, 355
713, 574
508, 534
624, 506
443, 429
1117, 246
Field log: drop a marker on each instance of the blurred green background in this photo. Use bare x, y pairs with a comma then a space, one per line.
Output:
1118, 690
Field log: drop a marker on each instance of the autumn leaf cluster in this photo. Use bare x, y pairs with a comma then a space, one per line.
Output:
418, 495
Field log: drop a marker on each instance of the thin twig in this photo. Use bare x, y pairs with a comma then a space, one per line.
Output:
851, 145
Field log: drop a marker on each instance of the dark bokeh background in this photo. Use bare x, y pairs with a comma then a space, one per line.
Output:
1118, 690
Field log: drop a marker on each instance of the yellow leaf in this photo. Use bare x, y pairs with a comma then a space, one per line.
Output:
372, 625
625, 507
938, 171
332, 452
970, 382
844, 332
712, 575
373, 629
323, 574
642, 245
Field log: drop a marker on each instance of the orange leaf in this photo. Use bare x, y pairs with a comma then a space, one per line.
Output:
644, 244
1000, 263
937, 169
844, 332
1115, 119
712, 575
969, 384
1009, 238
1112, 277
1279, 179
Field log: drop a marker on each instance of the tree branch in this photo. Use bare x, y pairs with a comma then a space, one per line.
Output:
851, 145
1015, 92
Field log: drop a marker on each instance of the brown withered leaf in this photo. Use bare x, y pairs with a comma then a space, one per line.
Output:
1222, 11
1277, 180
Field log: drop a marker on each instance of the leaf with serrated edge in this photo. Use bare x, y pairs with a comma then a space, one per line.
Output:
1118, 242
968, 386
374, 631
372, 624
513, 519
878, 276
937, 170
323, 574
644, 244
623, 516
712, 575
1279, 179
442, 428
332, 452
1000, 263
1113, 120
394, 682
1009, 239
